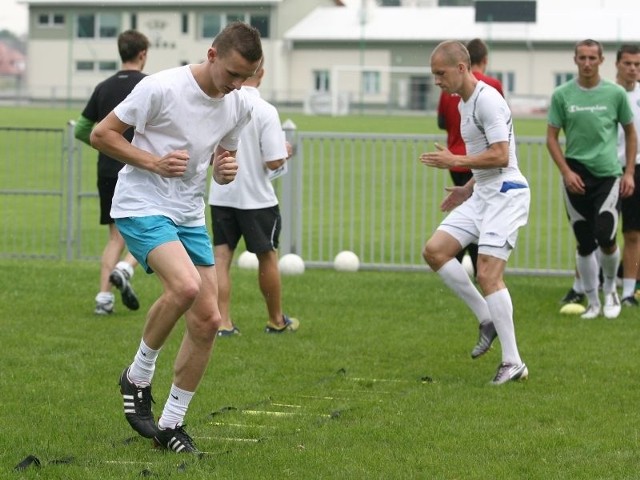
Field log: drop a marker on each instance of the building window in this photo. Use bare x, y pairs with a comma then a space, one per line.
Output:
185, 23
561, 78
104, 25
109, 25
86, 26
133, 20
84, 66
235, 17
100, 66
321, 80
51, 20
211, 25
107, 66
260, 23
370, 82
507, 79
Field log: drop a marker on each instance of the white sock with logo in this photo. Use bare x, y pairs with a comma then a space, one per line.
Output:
144, 364
176, 408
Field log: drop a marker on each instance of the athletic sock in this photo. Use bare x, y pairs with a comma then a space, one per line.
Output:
501, 308
456, 278
144, 364
122, 265
176, 408
105, 297
628, 287
588, 270
609, 263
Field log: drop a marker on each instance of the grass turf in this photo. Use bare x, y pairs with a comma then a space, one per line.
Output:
377, 383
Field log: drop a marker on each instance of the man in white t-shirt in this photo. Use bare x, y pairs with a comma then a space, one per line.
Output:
248, 207
185, 119
488, 210
628, 69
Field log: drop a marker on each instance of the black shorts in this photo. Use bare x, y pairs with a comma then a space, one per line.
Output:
460, 178
594, 215
260, 228
106, 187
631, 207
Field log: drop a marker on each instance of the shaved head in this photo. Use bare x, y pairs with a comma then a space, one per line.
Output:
452, 52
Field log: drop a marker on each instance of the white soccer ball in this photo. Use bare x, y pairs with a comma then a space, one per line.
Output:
291, 264
468, 265
346, 261
248, 261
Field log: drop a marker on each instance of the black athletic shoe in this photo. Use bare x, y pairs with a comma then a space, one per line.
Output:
573, 297
137, 406
175, 439
120, 279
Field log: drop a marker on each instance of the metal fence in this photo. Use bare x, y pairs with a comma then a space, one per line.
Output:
361, 192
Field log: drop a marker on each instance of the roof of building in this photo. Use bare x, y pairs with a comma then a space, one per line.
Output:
554, 23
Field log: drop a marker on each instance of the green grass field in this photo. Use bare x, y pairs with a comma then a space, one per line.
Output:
377, 383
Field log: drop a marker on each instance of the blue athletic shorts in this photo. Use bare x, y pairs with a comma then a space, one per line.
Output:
143, 234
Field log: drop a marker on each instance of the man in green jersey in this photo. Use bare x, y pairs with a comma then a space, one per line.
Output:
589, 110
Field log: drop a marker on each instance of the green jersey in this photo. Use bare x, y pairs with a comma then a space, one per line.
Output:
590, 118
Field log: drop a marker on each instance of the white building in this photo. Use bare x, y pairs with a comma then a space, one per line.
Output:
334, 51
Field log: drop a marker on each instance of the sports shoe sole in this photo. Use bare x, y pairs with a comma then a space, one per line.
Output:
129, 298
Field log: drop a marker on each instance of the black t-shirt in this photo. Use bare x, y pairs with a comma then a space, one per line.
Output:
105, 97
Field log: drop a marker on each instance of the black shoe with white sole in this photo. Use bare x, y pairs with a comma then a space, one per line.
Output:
175, 439
137, 406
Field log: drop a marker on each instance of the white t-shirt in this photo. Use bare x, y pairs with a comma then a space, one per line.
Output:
634, 101
261, 141
169, 111
485, 119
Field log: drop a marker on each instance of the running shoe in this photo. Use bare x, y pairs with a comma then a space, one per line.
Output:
487, 334
573, 297
175, 439
593, 311
222, 332
137, 401
290, 325
103, 308
612, 306
120, 279
508, 372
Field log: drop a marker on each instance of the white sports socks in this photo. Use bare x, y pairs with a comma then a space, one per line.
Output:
144, 364
176, 408
456, 278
